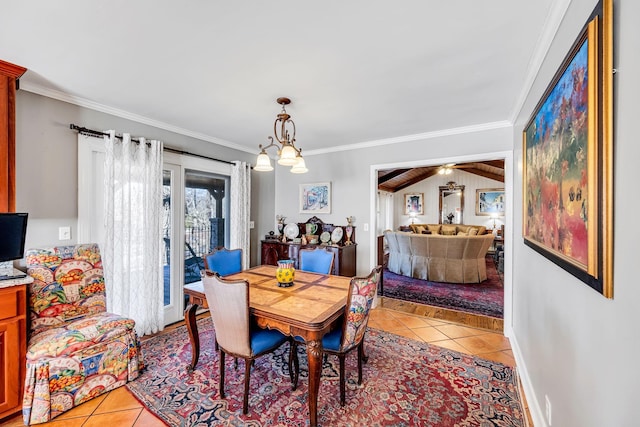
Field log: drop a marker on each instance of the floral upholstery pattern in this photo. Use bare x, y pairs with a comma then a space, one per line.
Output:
76, 350
363, 291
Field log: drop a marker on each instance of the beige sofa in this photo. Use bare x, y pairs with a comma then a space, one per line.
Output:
448, 229
439, 258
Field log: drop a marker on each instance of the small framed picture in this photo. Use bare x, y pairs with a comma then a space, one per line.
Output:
315, 198
490, 201
413, 203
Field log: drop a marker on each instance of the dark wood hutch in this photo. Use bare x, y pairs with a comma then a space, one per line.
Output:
275, 248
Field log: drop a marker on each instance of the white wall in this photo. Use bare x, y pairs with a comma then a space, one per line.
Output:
577, 347
431, 190
353, 192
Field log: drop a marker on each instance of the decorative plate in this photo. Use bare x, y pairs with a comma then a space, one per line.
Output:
291, 230
325, 237
336, 235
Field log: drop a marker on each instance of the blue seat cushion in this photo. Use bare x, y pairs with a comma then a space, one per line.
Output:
266, 339
331, 341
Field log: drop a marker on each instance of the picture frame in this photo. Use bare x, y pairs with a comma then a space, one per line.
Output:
490, 202
567, 149
315, 198
414, 203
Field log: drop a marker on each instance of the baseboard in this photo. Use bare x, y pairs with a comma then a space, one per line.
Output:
537, 414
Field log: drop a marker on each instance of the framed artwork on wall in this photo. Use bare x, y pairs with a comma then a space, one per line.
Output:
315, 198
413, 203
490, 201
567, 201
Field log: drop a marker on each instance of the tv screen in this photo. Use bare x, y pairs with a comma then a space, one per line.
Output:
13, 230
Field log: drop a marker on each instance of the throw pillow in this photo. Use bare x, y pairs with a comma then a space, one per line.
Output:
448, 230
462, 233
434, 229
419, 229
473, 231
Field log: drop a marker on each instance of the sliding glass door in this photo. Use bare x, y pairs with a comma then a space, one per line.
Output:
196, 210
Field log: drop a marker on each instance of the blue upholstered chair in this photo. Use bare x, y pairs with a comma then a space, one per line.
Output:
316, 261
229, 300
350, 335
224, 261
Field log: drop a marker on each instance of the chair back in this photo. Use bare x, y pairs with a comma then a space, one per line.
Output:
316, 261
68, 284
224, 261
362, 291
228, 302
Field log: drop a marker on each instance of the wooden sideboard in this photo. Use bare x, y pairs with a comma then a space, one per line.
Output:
13, 346
344, 257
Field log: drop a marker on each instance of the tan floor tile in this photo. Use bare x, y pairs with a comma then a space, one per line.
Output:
451, 345
457, 331
380, 313
15, 421
87, 408
125, 418
436, 322
71, 422
389, 324
412, 321
430, 334
500, 357
497, 341
118, 400
407, 333
147, 419
475, 345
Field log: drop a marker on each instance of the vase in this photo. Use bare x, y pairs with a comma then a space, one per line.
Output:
285, 273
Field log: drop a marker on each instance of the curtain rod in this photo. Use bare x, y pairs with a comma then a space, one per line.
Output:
98, 134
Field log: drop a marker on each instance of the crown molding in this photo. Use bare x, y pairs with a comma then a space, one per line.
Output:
552, 23
416, 137
82, 102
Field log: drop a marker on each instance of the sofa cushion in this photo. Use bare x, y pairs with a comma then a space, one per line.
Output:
77, 334
473, 231
419, 229
448, 230
462, 233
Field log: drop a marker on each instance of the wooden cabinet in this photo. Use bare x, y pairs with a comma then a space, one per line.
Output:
344, 257
13, 346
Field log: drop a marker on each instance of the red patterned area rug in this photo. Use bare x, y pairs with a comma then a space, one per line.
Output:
405, 383
486, 298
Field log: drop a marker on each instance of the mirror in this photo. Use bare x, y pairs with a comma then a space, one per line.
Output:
451, 203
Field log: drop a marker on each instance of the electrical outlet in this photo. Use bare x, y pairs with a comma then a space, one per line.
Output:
252, 224
547, 407
64, 233
365, 227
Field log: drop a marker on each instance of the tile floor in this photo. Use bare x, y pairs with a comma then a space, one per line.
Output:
120, 409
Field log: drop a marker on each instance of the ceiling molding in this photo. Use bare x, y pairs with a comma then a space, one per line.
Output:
82, 102
416, 137
552, 23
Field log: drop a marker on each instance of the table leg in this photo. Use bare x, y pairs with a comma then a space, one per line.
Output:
192, 328
314, 357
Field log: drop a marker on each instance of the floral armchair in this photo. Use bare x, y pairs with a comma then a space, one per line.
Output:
76, 350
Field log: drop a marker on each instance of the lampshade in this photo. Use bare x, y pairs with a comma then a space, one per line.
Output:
300, 166
263, 164
287, 156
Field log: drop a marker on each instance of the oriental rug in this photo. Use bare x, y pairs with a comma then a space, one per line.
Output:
486, 298
405, 383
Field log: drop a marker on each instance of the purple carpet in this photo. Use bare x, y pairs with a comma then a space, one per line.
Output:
486, 298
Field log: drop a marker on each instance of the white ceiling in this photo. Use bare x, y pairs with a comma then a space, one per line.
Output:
356, 71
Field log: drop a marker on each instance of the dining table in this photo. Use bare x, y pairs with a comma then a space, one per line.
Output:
309, 308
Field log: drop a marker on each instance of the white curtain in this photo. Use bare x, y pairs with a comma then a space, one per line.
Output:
132, 255
240, 209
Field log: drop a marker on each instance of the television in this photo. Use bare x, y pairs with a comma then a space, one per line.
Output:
13, 231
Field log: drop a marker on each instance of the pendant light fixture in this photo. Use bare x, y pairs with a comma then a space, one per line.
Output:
284, 130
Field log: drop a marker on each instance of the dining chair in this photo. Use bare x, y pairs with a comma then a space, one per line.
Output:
316, 261
350, 335
223, 261
235, 335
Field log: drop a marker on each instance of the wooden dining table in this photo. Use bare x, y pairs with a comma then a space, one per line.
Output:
308, 309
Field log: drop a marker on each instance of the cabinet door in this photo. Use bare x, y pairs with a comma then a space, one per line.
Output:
10, 365
270, 254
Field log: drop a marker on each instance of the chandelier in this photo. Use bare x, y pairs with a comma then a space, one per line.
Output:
446, 169
288, 154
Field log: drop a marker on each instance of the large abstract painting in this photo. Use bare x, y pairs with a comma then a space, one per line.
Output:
567, 166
